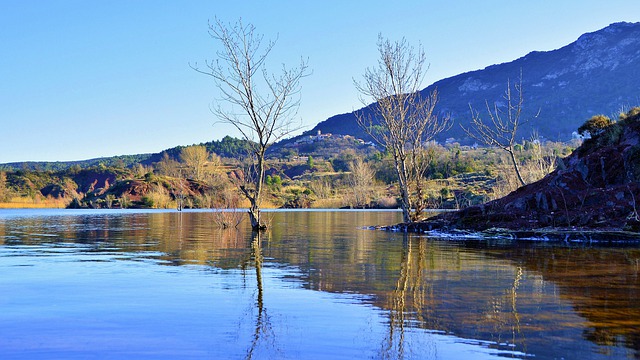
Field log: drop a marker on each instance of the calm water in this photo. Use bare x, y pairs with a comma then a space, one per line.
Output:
154, 285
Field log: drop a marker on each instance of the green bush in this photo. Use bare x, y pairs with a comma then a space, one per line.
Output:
274, 181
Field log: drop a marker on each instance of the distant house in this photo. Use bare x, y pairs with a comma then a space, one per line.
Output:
313, 138
322, 136
305, 140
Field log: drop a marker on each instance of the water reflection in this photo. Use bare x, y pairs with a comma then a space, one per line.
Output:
263, 326
528, 298
419, 299
393, 347
545, 300
602, 285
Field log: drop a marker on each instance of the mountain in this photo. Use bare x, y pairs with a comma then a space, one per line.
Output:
597, 74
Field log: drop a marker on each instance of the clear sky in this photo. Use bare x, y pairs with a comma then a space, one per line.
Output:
81, 79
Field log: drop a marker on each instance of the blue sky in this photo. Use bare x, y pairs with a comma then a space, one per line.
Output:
81, 79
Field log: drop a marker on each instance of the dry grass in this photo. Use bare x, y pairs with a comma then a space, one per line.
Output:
387, 202
38, 203
331, 203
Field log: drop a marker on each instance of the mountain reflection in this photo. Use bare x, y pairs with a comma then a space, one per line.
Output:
519, 297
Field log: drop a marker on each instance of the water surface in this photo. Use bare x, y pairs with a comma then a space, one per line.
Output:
163, 284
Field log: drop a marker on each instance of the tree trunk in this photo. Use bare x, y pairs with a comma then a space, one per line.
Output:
254, 215
405, 200
515, 166
254, 210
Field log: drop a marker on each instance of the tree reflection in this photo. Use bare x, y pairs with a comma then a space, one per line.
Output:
515, 331
601, 283
263, 329
502, 315
411, 299
394, 344
413, 302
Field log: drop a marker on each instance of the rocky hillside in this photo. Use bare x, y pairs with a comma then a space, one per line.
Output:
598, 73
597, 187
104, 187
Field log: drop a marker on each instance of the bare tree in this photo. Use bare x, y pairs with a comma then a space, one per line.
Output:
543, 160
168, 166
259, 104
195, 158
361, 182
403, 119
503, 126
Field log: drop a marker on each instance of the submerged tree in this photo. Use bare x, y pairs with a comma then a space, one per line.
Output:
403, 118
259, 104
503, 126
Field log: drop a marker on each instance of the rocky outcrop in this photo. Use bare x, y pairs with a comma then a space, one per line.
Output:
596, 188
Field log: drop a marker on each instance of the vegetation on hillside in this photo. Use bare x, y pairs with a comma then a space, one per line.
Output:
333, 172
323, 172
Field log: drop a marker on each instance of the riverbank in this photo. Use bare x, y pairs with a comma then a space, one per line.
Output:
567, 235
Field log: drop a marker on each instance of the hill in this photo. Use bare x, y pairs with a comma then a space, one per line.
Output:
226, 147
599, 73
119, 161
597, 187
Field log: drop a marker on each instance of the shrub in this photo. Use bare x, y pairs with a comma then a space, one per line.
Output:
387, 202
274, 181
158, 198
612, 134
632, 114
124, 200
595, 126
109, 199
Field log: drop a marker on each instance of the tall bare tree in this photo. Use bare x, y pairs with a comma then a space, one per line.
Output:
195, 158
259, 104
403, 119
168, 166
501, 129
361, 182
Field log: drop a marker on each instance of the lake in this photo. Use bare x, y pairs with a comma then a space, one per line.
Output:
132, 284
